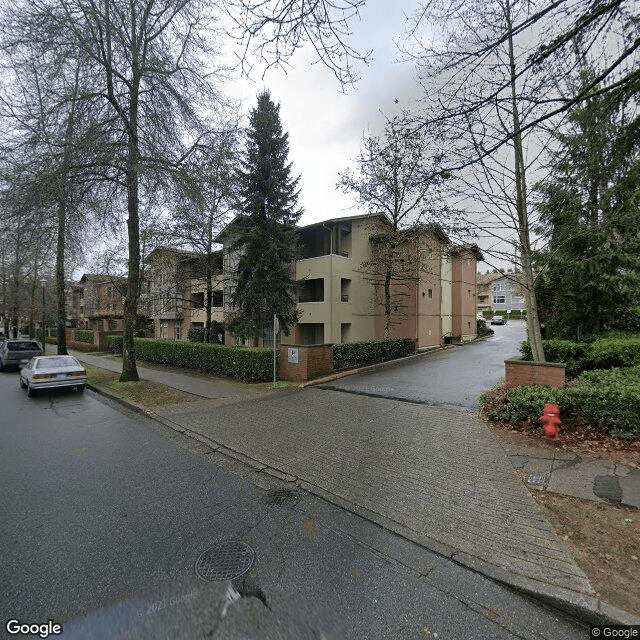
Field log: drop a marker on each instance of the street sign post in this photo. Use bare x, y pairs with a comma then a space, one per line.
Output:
276, 329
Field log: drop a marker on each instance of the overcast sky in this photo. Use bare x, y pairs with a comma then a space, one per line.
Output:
325, 125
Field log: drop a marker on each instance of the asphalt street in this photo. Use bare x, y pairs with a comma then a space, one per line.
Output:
453, 377
107, 517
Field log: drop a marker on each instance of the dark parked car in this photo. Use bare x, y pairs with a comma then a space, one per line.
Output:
499, 320
16, 352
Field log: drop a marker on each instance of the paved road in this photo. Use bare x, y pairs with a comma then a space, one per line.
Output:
105, 514
453, 377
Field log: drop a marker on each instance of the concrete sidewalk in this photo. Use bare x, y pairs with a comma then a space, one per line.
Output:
434, 475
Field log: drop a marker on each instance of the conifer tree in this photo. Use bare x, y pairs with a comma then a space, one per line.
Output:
589, 212
266, 245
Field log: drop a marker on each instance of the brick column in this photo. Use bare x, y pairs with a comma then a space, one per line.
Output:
300, 363
520, 373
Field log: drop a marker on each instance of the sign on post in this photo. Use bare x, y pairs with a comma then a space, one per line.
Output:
276, 329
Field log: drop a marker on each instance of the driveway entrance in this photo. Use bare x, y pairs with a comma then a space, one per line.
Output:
454, 377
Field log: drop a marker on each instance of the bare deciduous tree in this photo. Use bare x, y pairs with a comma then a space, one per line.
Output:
399, 175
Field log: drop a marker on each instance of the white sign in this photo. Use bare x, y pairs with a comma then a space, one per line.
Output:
292, 355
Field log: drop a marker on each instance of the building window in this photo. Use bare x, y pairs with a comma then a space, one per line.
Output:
311, 290
311, 332
345, 288
198, 300
164, 330
430, 294
498, 299
216, 298
178, 330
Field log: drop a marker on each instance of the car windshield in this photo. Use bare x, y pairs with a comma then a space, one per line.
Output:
23, 346
56, 361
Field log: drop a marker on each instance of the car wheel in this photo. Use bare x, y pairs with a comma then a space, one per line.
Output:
30, 391
22, 384
80, 388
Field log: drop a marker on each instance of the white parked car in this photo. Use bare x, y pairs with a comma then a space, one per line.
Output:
52, 372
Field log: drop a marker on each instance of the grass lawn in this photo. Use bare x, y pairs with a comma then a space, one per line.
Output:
143, 392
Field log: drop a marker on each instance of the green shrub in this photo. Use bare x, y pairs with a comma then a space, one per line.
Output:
196, 334
628, 375
482, 329
83, 336
114, 344
359, 354
249, 365
615, 350
606, 351
611, 401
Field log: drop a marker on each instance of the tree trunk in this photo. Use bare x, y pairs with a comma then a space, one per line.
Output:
63, 207
533, 322
60, 284
387, 302
129, 368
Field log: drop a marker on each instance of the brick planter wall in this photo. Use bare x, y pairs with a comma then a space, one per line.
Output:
313, 361
520, 373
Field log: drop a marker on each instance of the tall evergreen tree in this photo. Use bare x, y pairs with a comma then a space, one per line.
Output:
266, 245
589, 211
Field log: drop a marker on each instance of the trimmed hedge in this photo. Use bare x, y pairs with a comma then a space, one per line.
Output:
113, 344
359, 354
249, 365
83, 336
611, 401
616, 349
196, 334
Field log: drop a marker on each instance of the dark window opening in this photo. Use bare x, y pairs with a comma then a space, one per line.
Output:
311, 290
198, 300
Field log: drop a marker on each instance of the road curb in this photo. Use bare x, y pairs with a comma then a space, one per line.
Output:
580, 606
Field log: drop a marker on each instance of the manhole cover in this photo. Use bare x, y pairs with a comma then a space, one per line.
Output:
226, 561
281, 497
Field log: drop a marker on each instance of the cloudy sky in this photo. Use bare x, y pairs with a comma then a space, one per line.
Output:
326, 125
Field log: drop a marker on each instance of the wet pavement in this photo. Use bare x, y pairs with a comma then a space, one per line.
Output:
433, 474
453, 377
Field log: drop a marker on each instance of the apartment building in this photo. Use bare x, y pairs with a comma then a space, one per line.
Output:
341, 295
175, 291
500, 293
98, 300
74, 298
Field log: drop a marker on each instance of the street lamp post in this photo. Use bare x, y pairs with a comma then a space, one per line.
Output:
43, 342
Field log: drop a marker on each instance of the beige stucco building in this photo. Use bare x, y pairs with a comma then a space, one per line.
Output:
341, 295
175, 293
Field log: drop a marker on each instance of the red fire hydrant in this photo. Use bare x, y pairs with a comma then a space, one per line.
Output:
551, 419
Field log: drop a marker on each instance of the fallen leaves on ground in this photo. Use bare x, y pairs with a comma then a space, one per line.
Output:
605, 541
